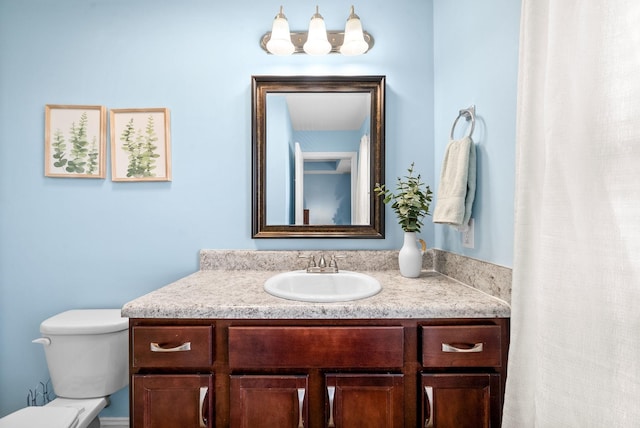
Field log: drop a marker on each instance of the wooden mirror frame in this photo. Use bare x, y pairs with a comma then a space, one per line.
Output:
263, 85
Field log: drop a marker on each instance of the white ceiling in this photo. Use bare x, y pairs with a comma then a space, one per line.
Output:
328, 111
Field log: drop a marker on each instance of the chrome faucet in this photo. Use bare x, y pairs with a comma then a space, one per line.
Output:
321, 266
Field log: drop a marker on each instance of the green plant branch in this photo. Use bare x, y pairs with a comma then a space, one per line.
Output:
410, 202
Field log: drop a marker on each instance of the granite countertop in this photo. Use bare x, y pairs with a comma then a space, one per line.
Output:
238, 294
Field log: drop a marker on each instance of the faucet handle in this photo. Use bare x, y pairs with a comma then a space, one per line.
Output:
333, 262
312, 260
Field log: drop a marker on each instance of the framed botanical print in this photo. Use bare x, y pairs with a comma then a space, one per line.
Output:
140, 144
75, 141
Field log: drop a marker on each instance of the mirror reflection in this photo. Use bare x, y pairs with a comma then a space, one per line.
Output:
318, 158
318, 149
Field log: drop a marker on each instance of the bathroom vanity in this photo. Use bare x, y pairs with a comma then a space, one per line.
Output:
214, 350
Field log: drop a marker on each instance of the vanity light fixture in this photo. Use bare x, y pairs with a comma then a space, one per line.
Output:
316, 41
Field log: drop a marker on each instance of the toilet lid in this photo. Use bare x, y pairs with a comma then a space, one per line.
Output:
48, 416
85, 321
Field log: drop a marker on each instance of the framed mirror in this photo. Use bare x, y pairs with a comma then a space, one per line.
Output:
317, 152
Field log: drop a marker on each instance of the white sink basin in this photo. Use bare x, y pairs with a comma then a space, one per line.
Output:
322, 287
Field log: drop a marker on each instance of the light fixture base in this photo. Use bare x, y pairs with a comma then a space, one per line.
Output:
298, 38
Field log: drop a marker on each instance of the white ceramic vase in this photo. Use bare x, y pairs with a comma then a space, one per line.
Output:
410, 256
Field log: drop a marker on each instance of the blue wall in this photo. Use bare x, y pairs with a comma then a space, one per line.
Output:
279, 182
476, 62
131, 238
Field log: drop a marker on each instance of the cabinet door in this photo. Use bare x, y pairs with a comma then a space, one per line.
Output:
461, 400
366, 401
170, 401
269, 401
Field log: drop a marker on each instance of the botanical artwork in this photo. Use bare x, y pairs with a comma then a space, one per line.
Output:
140, 145
75, 141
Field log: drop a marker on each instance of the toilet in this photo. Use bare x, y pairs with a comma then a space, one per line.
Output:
87, 356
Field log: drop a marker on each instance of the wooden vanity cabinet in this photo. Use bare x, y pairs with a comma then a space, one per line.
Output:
460, 400
264, 401
327, 355
364, 400
318, 373
463, 375
170, 401
172, 384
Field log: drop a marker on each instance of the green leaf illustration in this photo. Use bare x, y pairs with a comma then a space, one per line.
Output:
140, 148
59, 147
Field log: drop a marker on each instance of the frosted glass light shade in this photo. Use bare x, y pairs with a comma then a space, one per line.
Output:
354, 43
280, 41
317, 43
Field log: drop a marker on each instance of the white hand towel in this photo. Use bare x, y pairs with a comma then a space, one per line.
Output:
457, 183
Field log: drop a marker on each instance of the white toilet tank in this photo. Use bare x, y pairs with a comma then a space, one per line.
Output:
87, 352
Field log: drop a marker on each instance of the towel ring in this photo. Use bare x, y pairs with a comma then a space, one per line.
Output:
468, 114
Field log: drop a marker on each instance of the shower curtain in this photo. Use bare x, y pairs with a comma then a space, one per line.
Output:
362, 193
299, 184
575, 349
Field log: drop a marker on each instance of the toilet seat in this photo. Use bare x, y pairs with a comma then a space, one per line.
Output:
59, 413
47, 416
87, 408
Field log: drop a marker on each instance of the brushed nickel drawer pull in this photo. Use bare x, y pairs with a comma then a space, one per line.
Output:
157, 348
428, 391
331, 390
301, 392
204, 391
450, 348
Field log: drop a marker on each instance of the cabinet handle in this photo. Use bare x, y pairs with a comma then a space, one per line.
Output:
428, 423
450, 348
204, 391
300, 407
186, 346
331, 390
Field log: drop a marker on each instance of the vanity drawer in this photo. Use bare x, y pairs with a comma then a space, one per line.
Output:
461, 346
315, 347
184, 346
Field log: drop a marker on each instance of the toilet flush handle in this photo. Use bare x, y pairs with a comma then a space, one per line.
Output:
42, 340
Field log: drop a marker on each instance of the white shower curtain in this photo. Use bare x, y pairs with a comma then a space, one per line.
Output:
575, 349
299, 185
363, 186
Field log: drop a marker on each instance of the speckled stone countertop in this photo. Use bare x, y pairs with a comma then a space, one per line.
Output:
233, 290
